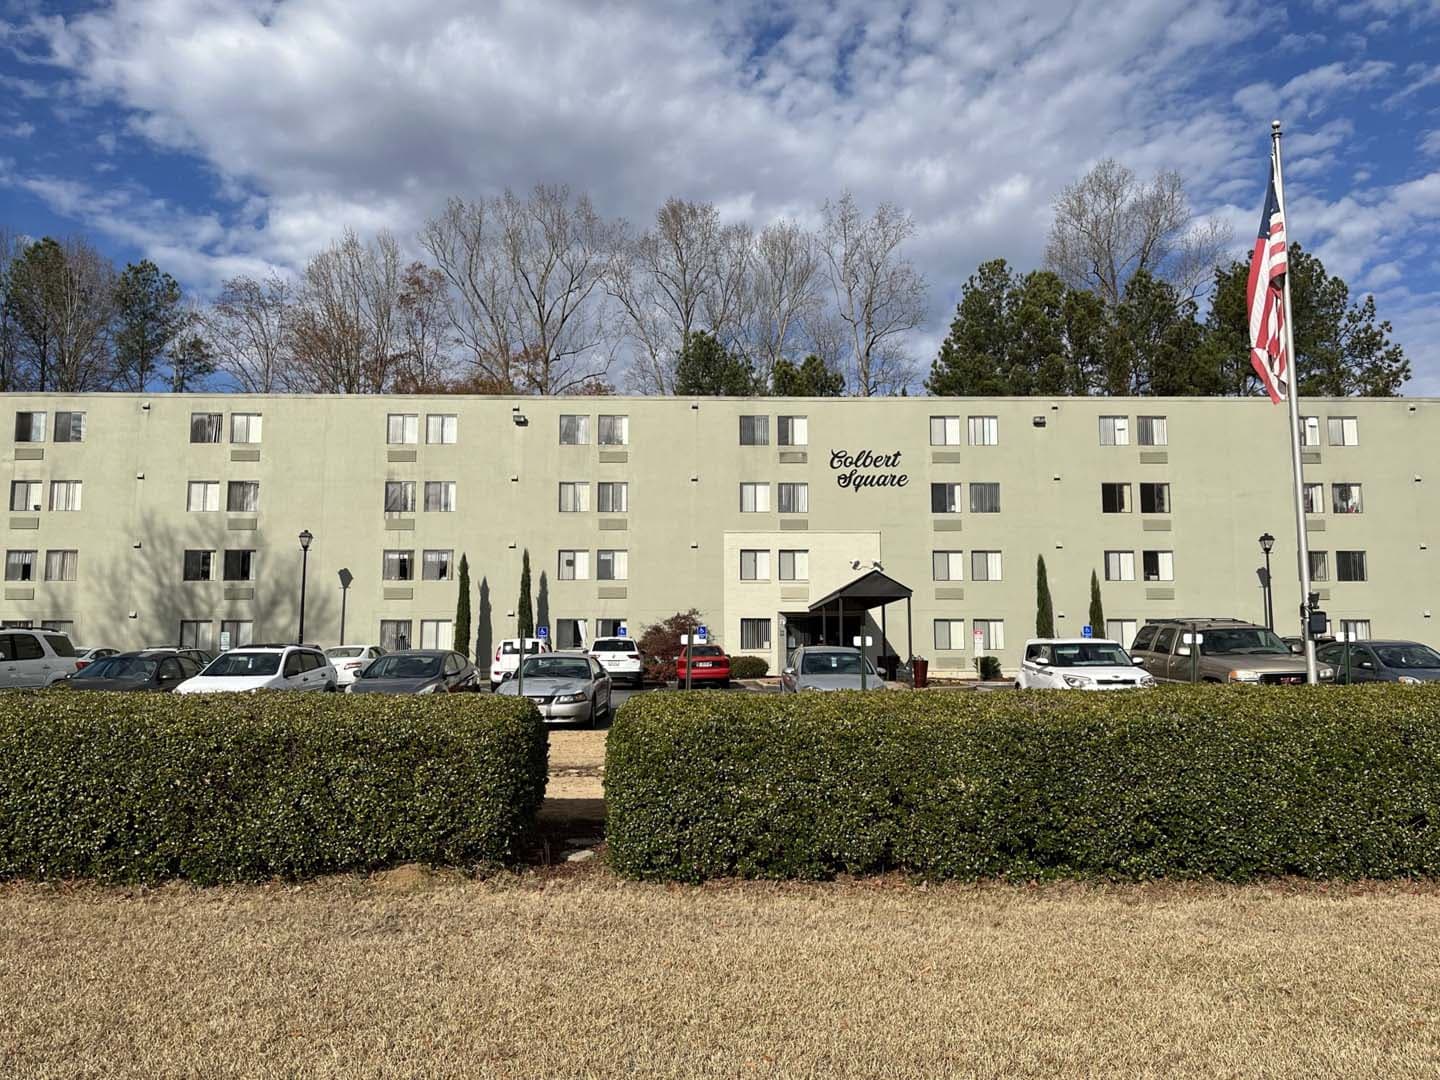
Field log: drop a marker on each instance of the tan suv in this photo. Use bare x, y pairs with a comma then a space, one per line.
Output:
1216, 651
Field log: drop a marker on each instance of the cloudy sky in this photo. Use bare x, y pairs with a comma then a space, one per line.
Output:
225, 136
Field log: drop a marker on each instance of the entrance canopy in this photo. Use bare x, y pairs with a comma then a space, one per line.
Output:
867, 592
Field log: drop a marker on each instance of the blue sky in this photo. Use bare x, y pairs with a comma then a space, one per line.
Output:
230, 136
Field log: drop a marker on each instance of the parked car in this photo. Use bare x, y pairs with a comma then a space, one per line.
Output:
1079, 664
620, 657
828, 667
712, 666
417, 671
1381, 661
84, 657
34, 657
1230, 650
157, 671
568, 686
507, 657
264, 667
350, 660
200, 656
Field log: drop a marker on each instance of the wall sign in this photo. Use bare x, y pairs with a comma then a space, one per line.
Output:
866, 469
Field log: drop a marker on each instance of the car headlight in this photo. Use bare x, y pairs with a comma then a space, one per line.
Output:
1244, 675
1077, 681
1328, 673
349, 688
1146, 680
569, 699
429, 689
1410, 679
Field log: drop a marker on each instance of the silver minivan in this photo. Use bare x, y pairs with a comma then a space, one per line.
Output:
32, 658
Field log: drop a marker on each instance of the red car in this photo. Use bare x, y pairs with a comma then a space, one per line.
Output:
712, 666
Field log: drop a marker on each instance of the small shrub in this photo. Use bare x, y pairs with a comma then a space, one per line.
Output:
749, 667
235, 787
660, 644
988, 667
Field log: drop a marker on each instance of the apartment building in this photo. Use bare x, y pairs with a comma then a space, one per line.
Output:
148, 519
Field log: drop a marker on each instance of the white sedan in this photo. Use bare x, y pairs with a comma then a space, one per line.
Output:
262, 667
350, 660
1079, 664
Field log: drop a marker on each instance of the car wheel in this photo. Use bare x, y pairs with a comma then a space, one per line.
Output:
331, 688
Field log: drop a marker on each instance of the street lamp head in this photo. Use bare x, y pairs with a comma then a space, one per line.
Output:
1267, 543
305, 538
346, 577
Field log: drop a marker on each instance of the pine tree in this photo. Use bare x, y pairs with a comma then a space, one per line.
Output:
462, 611
1044, 608
1097, 610
524, 613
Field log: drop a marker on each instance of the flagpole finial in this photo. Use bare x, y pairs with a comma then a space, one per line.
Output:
1275, 126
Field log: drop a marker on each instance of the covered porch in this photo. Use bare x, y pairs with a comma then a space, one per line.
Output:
841, 616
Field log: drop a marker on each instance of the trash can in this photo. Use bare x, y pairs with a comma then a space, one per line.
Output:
920, 668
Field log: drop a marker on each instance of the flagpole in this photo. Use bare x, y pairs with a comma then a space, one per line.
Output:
1292, 396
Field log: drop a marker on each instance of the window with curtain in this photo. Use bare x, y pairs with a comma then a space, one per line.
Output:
399, 565
402, 428
245, 427
203, 496
1151, 431
993, 631
1347, 498
947, 565
794, 498
985, 498
243, 496
1159, 565
205, 427
436, 565
440, 496
395, 634
61, 565
437, 634
29, 427
574, 430
795, 565
613, 497
793, 430
69, 427
754, 565
944, 498
754, 498
1155, 498
1115, 498
985, 566
399, 496
441, 428
614, 431
950, 634
574, 497
25, 496
1114, 431
196, 633
1314, 498
1119, 566
574, 566
1350, 566
1319, 566
944, 431
984, 430
612, 564
1344, 430
65, 494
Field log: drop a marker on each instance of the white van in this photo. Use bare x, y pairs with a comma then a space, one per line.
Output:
507, 658
35, 658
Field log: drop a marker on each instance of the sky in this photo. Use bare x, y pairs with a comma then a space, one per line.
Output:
220, 137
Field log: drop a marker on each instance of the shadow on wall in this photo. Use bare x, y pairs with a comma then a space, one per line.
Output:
484, 632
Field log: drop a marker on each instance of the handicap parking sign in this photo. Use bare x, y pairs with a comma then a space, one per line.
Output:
624, 632
702, 633
542, 632
1087, 631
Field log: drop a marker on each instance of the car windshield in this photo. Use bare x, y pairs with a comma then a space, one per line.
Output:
1243, 641
512, 648
403, 667
707, 650
120, 667
833, 663
1097, 654
1407, 656
556, 667
243, 664
343, 651
613, 645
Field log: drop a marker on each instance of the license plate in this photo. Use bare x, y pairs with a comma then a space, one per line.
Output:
1290, 680
703, 663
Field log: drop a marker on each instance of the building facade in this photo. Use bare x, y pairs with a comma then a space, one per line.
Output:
150, 519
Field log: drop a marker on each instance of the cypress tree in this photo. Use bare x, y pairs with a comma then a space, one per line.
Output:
524, 613
462, 611
1044, 608
1097, 610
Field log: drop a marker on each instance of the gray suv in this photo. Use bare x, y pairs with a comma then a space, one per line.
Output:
1215, 651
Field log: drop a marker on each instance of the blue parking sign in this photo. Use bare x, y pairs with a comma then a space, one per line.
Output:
1087, 630
542, 632
702, 633
624, 631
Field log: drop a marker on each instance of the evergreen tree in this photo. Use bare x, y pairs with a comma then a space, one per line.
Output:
707, 367
192, 361
1097, 609
524, 613
462, 611
148, 320
811, 379
1044, 608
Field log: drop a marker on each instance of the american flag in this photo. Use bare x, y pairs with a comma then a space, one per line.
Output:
1265, 298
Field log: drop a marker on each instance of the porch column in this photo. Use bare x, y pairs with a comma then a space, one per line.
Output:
909, 632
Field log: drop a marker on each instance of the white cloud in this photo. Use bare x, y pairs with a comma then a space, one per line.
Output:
1311, 90
1430, 144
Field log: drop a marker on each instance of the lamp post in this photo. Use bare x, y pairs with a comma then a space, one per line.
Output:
345, 579
305, 538
1267, 544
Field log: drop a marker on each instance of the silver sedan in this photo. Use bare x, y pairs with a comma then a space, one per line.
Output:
567, 687
829, 668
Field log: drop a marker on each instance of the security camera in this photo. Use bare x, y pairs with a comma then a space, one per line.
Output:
854, 564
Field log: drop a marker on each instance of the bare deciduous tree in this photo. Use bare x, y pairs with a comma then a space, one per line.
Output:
1109, 226
346, 326
247, 328
878, 294
785, 297
424, 327
62, 297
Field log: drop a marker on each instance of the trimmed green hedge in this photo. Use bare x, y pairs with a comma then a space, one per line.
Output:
234, 787
749, 667
1224, 782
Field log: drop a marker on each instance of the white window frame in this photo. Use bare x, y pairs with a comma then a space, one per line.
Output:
944, 431
212, 419
402, 429
241, 631
759, 497
246, 428
441, 429
210, 496
983, 430
396, 634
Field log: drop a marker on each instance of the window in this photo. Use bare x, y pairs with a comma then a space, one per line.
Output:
794, 498
984, 498
754, 633
69, 427
1119, 566
199, 565
574, 430
754, 431
1115, 498
1309, 431
754, 498
612, 565
614, 431
569, 633
1355, 629
61, 565
241, 631
1346, 498
984, 430
611, 628
13, 624
612, 497
25, 496
944, 498
195, 633
947, 565
574, 497
1314, 498
1121, 630
1114, 431
439, 496
436, 565
399, 566
245, 427
65, 626
1349, 566
203, 496
401, 428
29, 427
984, 566
795, 565
1319, 566
944, 431
792, 431
1159, 565
65, 494
950, 634
239, 564
399, 496
437, 634
205, 427
992, 633
394, 634
1155, 498
441, 428
754, 565
243, 496
1344, 430
574, 566
1150, 431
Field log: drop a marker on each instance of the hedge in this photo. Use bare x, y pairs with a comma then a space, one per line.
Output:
235, 787
749, 667
1225, 782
